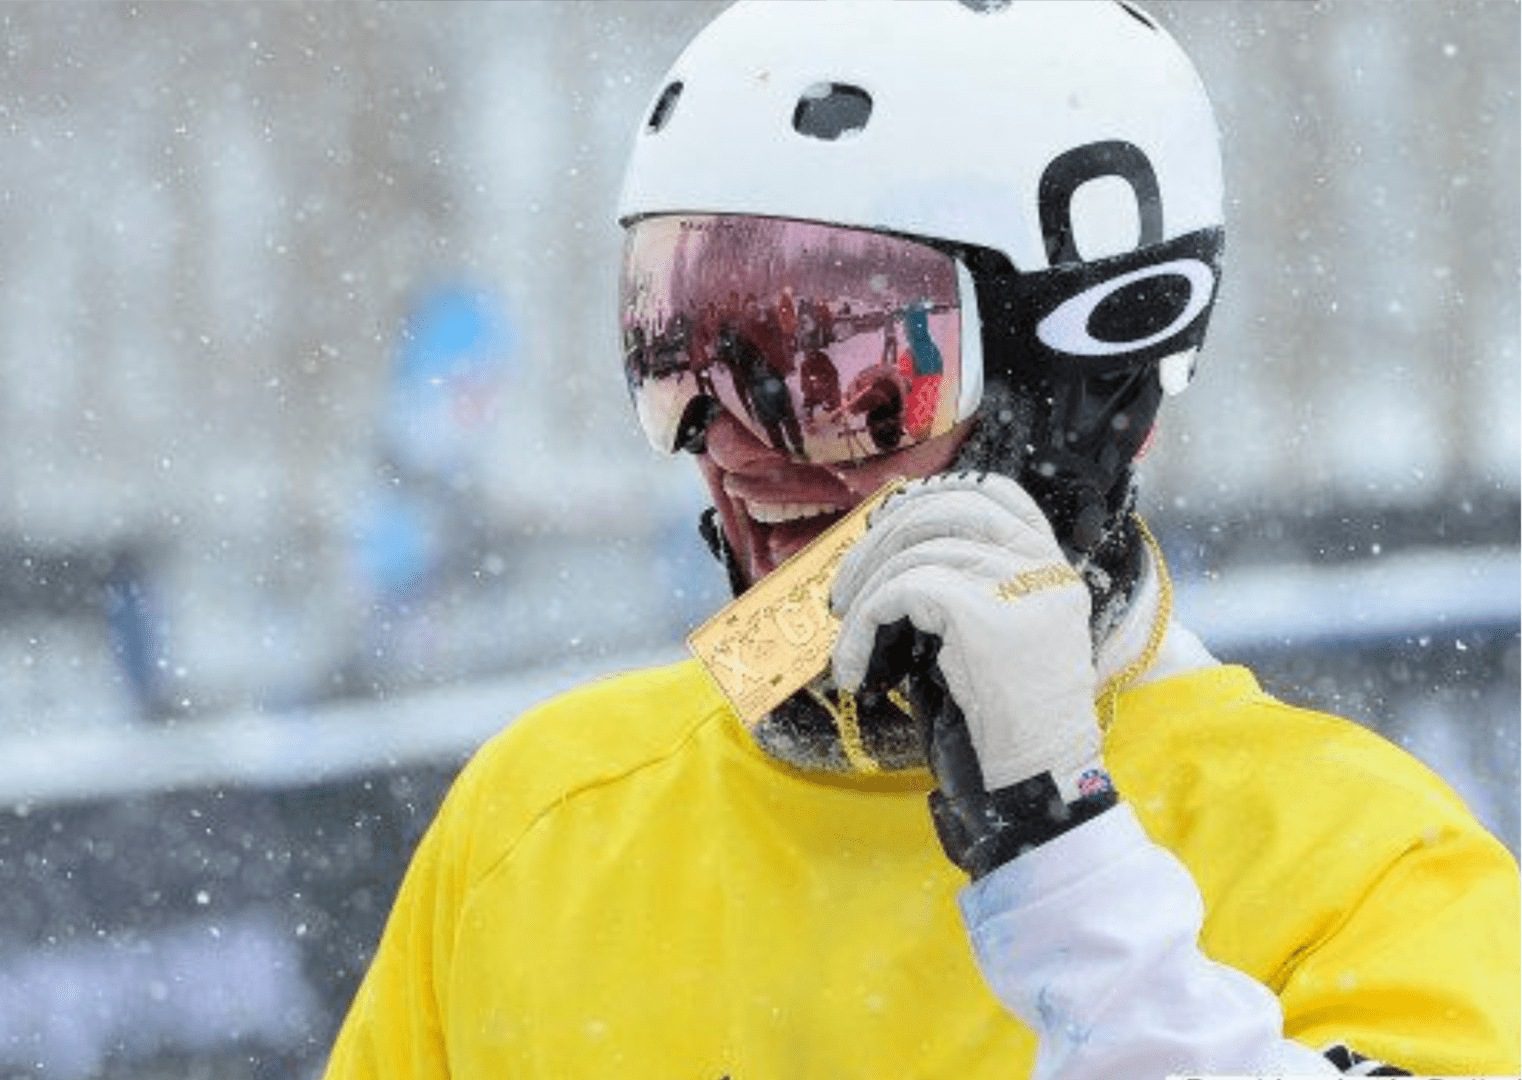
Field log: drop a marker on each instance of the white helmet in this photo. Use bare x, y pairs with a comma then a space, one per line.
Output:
1066, 152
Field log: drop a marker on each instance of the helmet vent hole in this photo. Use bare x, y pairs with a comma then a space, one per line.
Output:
663, 107
1138, 14
829, 110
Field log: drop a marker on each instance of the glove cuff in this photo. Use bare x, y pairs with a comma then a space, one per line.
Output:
982, 830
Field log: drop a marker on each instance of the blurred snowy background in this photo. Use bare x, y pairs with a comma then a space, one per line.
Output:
316, 463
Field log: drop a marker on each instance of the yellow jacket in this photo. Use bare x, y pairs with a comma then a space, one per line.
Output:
621, 884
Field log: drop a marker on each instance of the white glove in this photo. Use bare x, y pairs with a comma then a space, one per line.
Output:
970, 559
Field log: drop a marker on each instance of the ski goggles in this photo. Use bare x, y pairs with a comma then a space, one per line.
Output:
828, 343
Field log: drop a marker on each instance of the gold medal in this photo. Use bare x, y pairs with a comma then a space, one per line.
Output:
772, 641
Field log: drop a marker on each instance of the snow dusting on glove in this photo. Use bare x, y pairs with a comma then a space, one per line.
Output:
971, 560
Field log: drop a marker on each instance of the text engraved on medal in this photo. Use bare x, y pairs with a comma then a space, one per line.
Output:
774, 639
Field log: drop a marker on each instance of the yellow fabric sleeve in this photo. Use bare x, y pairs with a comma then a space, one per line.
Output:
1421, 973
1336, 869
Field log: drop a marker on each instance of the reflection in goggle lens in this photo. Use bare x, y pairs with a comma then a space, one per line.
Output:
827, 343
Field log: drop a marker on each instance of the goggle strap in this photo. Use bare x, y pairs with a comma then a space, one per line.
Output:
970, 395
1010, 304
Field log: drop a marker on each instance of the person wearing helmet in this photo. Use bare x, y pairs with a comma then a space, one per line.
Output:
1133, 862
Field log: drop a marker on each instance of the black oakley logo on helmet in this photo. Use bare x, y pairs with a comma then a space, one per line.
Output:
1116, 313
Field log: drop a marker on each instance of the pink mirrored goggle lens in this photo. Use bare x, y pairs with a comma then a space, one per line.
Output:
829, 344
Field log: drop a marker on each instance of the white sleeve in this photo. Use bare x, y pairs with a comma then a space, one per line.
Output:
1092, 941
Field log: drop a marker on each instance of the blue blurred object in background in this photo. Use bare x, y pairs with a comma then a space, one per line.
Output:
419, 510
451, 357
135, 626
454, 350
396, 543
